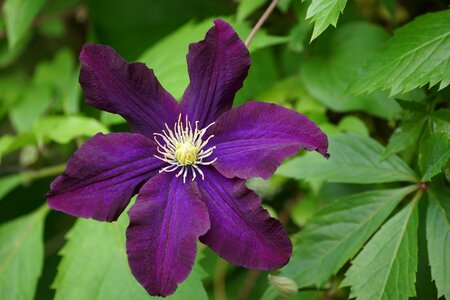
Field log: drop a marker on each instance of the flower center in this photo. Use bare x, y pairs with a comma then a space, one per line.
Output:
183, 148
186, 153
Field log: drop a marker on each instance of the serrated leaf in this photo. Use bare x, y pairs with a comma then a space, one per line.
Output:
406, 135
438, 237
353, 159
386, 267
95, 266
324, 13
441, 120
21, 255
417, 54
168, 56
329, 69
434, 154
337, 232
18, 17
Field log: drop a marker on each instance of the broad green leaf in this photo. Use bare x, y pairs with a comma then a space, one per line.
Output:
9, 183
438, 237
353, 159
337, 232
62, 129
406, 135
95, 266
21, 255
324, 13
247, 7
354, 125
329, 70
18, 17
417, 54
168, 56
434, 154
386, 267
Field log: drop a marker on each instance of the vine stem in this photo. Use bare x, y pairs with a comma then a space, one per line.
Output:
261, 21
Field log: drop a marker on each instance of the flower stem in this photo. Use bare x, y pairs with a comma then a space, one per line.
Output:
45, 172
261, 21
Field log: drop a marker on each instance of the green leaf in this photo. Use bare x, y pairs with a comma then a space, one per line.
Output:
324, 13
247, 7
337, 232
406, 135
329, 69
9, 183
168, 56
417, 54
438, 237
18, 17
441, 120
434, 154
21, 255
62, 129
386, 267
95, 266
353, 159
354, 125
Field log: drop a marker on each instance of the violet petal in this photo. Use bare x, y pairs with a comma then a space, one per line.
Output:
131, 90
102, 176
253, 139
217, 68
242, 231
165, 223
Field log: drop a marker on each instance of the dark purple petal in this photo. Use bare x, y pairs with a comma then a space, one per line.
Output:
217, 67
103, 175
131, 90
253, 139
165, 223
242, 231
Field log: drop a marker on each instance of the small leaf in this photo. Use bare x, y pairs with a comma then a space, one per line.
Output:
353, 159
434, 154
337, 232
95, 266
438, 237
354, 125
324, 13
18, 17
386, 267
417, 54
21, 255
406, 135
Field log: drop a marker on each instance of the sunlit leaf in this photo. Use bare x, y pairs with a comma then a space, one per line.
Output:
247, 7
417, 54
324, 13
386, 267
353, 159
21, 255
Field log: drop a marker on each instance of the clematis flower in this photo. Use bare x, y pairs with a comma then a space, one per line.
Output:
188, 163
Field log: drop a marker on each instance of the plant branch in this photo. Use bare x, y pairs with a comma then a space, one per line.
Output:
261, 21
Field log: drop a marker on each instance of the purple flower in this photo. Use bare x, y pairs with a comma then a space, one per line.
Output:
188, 162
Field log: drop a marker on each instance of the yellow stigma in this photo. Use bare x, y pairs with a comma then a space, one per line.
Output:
186, 153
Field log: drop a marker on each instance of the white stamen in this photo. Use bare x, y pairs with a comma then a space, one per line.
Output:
183, 148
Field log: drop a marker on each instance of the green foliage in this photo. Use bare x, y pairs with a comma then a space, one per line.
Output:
386, 267
353, 159
417, 54
438, 237
21, 255
434, 153
324, 14
10, 182
247, 7
329, 71
336, 233
95, 259
18, 17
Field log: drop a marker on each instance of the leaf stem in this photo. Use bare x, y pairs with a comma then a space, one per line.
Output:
45, 172
260, 22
